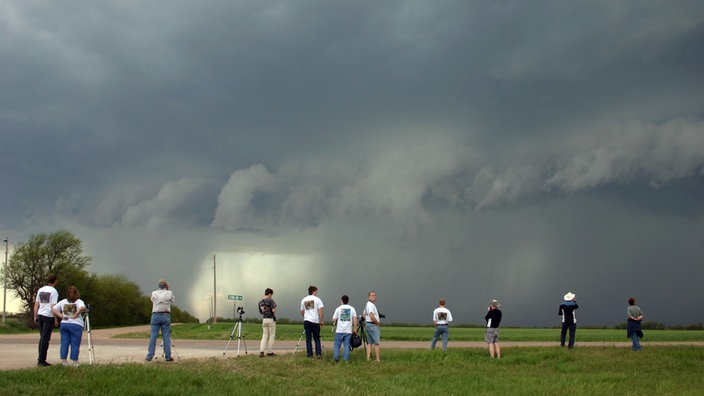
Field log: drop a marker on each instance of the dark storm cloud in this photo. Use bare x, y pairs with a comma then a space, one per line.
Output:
476, 150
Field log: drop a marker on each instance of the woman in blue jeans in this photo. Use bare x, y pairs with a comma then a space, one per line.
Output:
70, 311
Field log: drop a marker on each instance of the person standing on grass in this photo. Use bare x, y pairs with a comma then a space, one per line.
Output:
633, 329
70, 311
441, 320
345, 317
267, 308
493, 320
162, 299
312, 312
46, 298
371, 316
569, 318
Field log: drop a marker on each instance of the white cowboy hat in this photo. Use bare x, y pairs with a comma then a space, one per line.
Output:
569, 296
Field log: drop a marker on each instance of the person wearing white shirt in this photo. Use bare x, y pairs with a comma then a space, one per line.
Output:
345, 317
441, 319
372, 317
46, 298
70, 311
312, 312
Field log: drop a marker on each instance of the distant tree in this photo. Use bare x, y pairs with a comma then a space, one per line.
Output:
31, 262
114, 301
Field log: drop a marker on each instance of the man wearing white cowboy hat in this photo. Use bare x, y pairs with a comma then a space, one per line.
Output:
569, 319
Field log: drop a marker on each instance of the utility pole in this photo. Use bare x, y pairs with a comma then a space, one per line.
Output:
4, 289
215, 303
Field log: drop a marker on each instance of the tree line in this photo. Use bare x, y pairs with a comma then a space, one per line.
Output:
113, 299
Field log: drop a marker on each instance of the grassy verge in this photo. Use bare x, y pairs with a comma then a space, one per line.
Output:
252, 331
521, 371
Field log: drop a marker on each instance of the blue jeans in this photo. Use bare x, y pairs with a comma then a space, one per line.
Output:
342, 339
440, 330
71, 334
312, 331
572, 327
636, 341
160, 321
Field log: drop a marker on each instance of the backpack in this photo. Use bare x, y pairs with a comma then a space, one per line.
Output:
356, 341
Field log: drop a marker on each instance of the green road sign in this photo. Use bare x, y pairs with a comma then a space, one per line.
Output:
234, 297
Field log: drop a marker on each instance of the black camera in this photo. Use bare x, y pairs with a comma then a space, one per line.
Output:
87, 308
382, 316
240, 310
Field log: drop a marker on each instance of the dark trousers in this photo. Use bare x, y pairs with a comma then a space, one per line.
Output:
572, 327
312, 331
46, 325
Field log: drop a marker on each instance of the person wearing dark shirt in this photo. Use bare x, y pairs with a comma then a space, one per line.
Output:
633, 329
569, 319
493, 320
267, 308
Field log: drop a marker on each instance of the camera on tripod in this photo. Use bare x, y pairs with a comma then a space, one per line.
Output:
240, 311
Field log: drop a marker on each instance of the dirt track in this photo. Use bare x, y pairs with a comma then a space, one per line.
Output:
20, 351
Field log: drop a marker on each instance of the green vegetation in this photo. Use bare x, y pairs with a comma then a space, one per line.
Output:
121, 301
462, 371
252, 331
14, 325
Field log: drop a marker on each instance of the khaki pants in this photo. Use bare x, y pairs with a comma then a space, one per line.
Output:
268, 336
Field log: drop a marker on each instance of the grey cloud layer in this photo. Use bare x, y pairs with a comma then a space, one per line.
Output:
398, 184
482, 143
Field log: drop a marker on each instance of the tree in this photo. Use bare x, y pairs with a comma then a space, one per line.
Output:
60, 253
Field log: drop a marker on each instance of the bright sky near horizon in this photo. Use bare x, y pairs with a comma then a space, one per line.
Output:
465, 150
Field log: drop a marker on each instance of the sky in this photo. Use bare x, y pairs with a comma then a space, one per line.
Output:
466, 150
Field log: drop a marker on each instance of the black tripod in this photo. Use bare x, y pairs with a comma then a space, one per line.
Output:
362, 331
240, 337
86, 328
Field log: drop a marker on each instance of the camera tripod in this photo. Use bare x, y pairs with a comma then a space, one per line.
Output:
240, 337
303, 334
86, 329
362, 332
173, 349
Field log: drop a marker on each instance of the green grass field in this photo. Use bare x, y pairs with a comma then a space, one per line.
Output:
672, 370
656, 370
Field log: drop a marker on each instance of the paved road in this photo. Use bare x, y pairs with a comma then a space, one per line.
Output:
20, 351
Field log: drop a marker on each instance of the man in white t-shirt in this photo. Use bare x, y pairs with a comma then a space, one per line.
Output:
371, 317
345, 317
47, 297
441, 319
312, 312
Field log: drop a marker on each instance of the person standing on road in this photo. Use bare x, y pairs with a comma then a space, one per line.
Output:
441, 319
345, 317
493, 320
633, 329
569, 318
70, 310
372, 317
46, 298
267, 308
162, 299
312, 312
